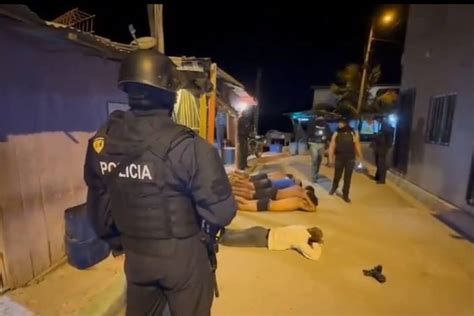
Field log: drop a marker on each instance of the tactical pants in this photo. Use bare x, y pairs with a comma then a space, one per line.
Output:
317, 154
345, 165
381, 163
176, 272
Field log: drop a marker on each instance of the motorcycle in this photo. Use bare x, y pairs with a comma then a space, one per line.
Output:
256, 144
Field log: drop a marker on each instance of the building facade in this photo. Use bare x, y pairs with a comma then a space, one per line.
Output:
435, 136
55, 95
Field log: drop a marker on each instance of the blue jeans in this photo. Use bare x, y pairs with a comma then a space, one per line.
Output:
317, 154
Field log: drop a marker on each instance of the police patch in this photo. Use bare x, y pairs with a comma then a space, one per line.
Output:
98, 144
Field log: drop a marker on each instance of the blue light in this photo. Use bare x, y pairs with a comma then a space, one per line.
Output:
392, 119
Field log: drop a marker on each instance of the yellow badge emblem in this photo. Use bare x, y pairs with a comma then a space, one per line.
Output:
98, 144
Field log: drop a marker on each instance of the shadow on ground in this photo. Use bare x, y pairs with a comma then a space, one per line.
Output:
460, 222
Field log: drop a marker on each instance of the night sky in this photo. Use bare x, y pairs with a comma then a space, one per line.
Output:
296, 46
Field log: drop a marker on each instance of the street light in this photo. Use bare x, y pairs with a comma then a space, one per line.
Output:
386, 19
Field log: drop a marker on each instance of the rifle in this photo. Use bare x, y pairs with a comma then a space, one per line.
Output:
211, 240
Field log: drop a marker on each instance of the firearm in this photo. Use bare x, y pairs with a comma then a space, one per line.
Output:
211, 240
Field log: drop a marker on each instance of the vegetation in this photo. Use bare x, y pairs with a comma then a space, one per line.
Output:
346, 90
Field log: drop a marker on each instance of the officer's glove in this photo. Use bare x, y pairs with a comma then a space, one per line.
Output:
294, 237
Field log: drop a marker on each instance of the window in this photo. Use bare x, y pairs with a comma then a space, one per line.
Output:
440, 119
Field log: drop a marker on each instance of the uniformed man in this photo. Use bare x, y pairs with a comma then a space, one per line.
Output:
244, 129
151, 183
221, 122
381, 145
343, 150
319, 136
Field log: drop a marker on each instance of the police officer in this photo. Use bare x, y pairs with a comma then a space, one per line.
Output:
150, 184
381, 145
244, 129
319, 136
344, 148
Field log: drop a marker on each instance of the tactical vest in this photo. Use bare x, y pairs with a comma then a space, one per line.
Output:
319, 134
147, 200
345, 147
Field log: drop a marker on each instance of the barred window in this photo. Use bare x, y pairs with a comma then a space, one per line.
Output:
440, 119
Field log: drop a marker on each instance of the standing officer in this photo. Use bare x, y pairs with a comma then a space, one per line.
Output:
319, 136
244, 129
221, 122
151, 183
344, 147
381, 145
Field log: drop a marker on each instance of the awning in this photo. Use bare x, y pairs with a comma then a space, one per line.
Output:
226, 107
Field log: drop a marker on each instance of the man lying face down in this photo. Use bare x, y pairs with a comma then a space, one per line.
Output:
275, 179
306, 241
261, 194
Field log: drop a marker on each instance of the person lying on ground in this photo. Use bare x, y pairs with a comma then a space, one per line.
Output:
267, 205
276, 194
264, 183
306, 241
274, 175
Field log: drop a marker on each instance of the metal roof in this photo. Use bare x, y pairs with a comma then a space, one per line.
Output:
109, 49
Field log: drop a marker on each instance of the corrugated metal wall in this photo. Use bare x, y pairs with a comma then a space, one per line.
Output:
54, 96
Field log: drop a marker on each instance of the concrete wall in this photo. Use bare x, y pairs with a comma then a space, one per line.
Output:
439, 59
53, 96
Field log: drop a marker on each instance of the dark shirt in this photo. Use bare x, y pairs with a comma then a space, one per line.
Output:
196, 166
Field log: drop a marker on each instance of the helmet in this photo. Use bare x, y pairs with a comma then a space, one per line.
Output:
149, 78
149, 67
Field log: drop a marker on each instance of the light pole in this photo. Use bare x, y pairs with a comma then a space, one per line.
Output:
364, 69
387, 19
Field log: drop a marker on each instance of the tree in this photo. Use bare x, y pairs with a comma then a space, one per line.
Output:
346, 90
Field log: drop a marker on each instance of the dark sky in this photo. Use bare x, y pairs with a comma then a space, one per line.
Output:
296, 46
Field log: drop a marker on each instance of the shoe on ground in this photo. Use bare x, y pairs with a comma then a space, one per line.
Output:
346, 199
332, 192
380, 182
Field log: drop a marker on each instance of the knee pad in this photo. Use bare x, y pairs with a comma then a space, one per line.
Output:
262, 205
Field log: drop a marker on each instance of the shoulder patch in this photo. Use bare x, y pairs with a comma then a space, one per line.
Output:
98, 144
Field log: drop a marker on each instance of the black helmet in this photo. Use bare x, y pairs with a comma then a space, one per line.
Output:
149, 67
150, 79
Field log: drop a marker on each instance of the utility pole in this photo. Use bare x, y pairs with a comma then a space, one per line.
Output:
257, 92
155, 21
365, 69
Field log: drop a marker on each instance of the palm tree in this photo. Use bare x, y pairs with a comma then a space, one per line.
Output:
346, 90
